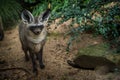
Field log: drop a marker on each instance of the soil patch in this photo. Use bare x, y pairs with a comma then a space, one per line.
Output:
55, 59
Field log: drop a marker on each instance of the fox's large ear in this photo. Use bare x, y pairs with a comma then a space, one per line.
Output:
27, 17
44, 16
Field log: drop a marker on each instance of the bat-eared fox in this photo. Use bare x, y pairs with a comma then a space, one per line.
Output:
32, 34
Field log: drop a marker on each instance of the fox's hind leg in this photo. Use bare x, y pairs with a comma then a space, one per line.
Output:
1, 35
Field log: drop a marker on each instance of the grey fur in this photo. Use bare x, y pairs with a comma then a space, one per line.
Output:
33, 41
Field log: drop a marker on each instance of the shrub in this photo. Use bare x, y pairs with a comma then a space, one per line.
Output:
99, 16
9, 11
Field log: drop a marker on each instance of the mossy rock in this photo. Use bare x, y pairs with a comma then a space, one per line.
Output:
102, 50
95, 50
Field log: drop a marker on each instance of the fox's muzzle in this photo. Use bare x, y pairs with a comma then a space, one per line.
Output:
37, 32
36, 29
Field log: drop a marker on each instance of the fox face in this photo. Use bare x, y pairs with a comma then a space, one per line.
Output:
35, 25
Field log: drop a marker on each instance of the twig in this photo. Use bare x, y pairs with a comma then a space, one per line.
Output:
19, 68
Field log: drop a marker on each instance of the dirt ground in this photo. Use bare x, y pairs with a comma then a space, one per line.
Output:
55, 59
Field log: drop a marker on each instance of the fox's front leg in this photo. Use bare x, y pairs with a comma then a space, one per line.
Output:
39, 56
33, 62
26, 53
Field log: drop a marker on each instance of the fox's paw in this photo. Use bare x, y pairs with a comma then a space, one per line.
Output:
42, 66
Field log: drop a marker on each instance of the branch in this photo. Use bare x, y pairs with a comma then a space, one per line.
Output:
19, 68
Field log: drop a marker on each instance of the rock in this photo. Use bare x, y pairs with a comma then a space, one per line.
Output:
100, 64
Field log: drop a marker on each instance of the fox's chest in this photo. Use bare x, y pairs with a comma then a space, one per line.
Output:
35, 48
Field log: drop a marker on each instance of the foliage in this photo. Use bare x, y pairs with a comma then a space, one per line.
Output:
9, 11
39, 8
99, 16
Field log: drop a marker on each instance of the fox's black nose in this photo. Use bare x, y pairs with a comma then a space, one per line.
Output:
37, 32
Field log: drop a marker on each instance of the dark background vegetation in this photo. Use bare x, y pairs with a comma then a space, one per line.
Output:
100, 17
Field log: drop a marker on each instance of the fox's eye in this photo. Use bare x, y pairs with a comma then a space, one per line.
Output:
41, 27
32, 28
